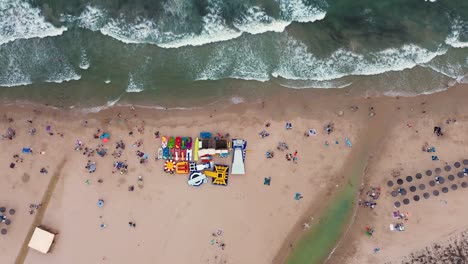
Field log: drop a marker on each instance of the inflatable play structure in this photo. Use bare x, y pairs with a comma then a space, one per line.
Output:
219, 175
196, 178
169, 166
176, 148
160, 153
238, 158
182, 167
195, 150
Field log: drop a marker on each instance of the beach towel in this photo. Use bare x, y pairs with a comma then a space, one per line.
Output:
205, 135
312, 132
348, 142
27, 150
267, 181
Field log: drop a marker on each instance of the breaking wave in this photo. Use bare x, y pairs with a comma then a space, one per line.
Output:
458, 38
214, 27
134, 86
297, 63
19, 20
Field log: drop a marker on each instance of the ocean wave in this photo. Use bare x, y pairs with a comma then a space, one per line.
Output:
297, 63
92, 18
256, 21
297, 10
459, 30
134, 86
19, 20
14, 76
60, 78
237, 61
213, 29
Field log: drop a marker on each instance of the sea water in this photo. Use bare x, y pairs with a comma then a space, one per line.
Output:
83, 52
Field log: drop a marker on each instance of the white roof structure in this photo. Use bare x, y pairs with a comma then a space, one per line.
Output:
238, 160
41, 240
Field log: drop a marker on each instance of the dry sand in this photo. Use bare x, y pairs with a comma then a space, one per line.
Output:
434, 223
175, 222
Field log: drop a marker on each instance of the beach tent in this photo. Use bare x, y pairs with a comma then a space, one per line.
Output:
41, 240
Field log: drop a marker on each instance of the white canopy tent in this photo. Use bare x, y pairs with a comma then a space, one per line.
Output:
41, 240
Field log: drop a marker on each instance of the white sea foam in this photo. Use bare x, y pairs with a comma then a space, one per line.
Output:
256, 21
242, 61
214, 27
214, 30
134, 86
92, 18
84, 61
60, 77
97, 109
459, 28
297, 63
19, 20
14, 76
297, 10
107, 81
237, 100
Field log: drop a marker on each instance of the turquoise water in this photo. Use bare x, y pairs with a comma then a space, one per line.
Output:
84, 52
317, 244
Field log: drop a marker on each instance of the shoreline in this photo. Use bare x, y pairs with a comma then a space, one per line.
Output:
248, 91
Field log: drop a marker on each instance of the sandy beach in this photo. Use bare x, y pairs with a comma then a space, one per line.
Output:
434, 216
174, 222
246, 221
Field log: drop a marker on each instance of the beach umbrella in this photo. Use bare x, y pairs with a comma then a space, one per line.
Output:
12, 211
100, 203
7, 222
4, 231
105, 140
2, 209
